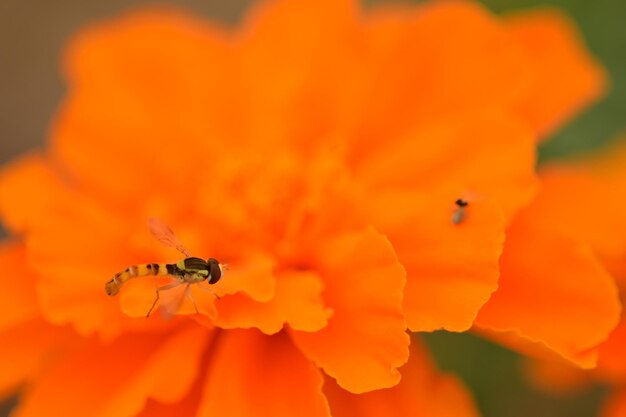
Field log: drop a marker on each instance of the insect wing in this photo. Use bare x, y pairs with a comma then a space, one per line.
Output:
164, 234
187, 299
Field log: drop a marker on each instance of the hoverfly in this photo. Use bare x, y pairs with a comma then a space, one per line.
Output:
190, 270
459, 213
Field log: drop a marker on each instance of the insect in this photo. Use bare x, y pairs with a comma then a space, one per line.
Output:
459, 214
190, 270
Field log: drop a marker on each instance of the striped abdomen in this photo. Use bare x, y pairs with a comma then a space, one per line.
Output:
113, 287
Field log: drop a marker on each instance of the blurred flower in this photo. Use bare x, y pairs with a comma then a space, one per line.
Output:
319, 151
555, 297
563, 77
581, 199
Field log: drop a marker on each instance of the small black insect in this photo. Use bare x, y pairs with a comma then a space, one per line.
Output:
459, 214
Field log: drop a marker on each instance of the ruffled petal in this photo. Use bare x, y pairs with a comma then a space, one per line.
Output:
20, 303
254, 374
27, 348
459, 153
29, 342
452, 269
121, 376
297, 302
423, 391
597, 218
417, 69
27, 187
549, 285
365, 340
612, 361
95, 243
141, 89
186, 407
563, 76
306, 52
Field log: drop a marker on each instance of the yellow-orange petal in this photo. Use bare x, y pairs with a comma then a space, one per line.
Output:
95, 243
548, 286
116, 379
19, 299
459, 153
452, 269
27, 185
563, 76
252, 374
597, 219
187, 406
113, 69
612, 361
365, 340
423, 391
296, 47
431, 61
297, 302
28, 347
28, 341
253, 274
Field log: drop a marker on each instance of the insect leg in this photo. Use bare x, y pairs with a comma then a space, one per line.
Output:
163, 288
190, 296
209, 289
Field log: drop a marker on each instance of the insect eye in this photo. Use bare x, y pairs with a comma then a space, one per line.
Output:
215, 271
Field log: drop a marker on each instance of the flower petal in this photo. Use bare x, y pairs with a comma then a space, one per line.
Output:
548, 286
595, 219
27, 186
20, 303
365, 340
295, 47
558, 64
297, 302
452, 269
612, 362
459, 153
29, 340
253, 275
113, 71
423, 391
255, 374
186, 407
420, 69
121, 376
27, 347
64, 287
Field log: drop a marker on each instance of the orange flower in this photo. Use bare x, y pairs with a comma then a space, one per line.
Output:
582, 200
563, 77
579, 210
319, 151
546, 260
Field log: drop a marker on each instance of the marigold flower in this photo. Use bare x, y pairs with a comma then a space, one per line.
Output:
563, 77
545, 266
318, 150
547, 260
581, 199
